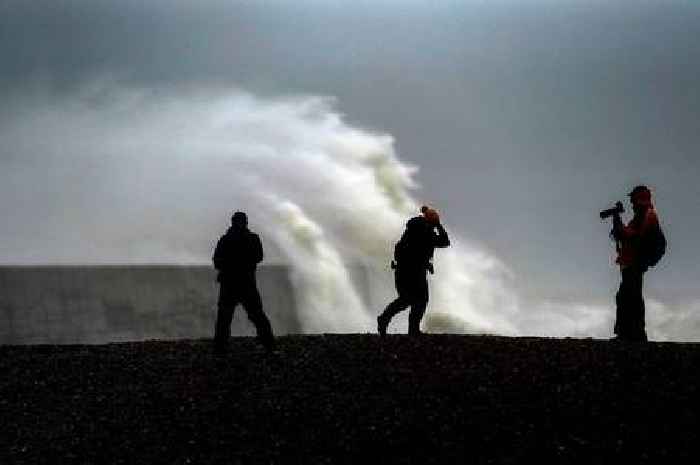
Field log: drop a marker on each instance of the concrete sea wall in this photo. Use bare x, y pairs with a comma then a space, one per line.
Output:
97, 304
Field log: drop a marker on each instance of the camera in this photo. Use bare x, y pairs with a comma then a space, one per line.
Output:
616, 210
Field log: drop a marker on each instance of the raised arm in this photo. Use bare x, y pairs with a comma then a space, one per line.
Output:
441, 238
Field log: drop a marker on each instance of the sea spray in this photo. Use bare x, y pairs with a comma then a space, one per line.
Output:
114, 175
327, 301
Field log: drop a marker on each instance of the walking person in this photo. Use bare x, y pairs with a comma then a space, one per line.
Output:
412, 260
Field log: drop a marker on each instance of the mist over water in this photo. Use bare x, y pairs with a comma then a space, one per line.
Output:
115, 175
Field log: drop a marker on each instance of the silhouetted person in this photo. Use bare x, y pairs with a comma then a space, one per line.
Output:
640, 245
236, 258
412, 259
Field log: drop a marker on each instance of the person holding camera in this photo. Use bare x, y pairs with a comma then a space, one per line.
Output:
412, 259
640, 245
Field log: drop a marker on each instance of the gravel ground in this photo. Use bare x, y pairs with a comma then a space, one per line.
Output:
351, 398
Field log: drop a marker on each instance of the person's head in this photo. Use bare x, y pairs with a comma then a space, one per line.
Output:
640, 197
431, 215
239, 220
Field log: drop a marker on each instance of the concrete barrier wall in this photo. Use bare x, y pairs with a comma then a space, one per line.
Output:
97, 304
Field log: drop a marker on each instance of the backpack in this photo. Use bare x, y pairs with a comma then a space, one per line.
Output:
653, 246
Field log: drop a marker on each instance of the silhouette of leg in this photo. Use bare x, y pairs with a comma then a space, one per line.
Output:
253, 306
414, 317
629, 319
642, 317
620, 300
635, 280
640, 327
397, 305
412, 287
224, 315
420, 303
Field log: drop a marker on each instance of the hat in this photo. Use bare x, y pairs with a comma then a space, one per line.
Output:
639, 189
641, 194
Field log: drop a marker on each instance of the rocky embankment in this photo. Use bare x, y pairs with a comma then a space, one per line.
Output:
351, 398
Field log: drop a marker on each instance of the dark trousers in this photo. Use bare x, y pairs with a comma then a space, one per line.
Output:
412, 287
629, 317
248, 296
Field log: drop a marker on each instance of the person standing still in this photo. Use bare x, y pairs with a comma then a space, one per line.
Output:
236, 258
640, 244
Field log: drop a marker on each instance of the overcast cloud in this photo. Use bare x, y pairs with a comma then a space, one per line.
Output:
525, 117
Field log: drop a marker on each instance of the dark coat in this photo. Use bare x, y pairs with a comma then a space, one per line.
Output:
417, 245
237, 255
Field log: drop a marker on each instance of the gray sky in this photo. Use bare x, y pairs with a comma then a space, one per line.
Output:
525, 117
